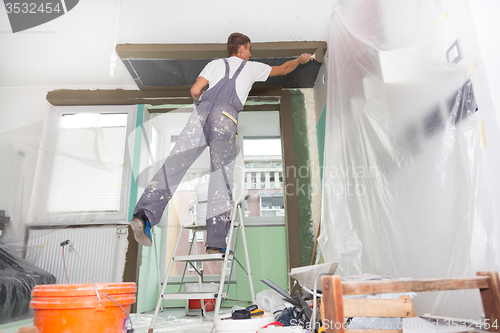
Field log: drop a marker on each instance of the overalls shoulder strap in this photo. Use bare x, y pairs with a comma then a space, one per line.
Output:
238, 71
227, 68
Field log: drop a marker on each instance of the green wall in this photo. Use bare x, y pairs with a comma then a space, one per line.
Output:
267, 252
147, 291
303, 174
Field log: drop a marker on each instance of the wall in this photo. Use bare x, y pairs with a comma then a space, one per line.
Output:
22, 110
21, 106
303, 174
484, 14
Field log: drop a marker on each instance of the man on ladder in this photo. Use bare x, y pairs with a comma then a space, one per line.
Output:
212, 123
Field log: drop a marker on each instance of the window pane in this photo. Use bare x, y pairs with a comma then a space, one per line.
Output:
262, 146
263, 166
88, 166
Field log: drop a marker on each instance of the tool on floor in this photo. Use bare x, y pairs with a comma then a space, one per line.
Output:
257, 313
301, 311
249, 312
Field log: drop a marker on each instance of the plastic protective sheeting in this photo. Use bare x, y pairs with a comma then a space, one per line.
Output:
19, 153
404, 186
49, 172
70, 169
17, 279
307, 275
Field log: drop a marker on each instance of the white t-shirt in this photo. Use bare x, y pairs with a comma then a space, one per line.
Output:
252, 72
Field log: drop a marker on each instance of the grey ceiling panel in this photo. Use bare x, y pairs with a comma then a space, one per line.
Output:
192, 68
303, 76
164, 73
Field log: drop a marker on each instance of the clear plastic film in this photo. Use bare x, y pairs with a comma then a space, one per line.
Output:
63, 171
80, 170
48, 184
17, 279
19, 151
405, 192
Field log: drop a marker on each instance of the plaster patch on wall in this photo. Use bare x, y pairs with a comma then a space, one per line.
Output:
309, 102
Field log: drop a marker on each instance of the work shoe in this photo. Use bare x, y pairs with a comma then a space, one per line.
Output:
218, 250
142, 229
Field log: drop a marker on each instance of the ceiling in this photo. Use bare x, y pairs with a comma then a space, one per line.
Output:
73, 51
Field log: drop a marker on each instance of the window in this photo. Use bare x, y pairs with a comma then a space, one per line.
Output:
199, 236
84, 168
263, 167
199, 266
253, 176
272, 205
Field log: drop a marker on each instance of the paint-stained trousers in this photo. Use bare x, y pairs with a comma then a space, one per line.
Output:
213, 124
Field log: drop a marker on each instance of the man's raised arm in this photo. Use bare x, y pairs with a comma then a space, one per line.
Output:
290, 65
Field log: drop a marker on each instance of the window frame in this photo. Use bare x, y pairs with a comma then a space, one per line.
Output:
97, 217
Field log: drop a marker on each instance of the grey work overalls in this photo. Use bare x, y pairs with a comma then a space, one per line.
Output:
212, 123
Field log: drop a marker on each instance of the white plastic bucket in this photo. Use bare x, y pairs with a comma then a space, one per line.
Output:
201, 212
242, 325
201, 191
195, 287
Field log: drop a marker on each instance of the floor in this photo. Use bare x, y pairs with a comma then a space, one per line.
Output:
174, 320
170, 320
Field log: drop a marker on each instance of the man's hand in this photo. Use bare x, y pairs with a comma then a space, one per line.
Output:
305, 58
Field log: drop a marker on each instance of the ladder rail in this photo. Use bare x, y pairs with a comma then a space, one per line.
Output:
200, 274
226, 258
249, 273
236, 213
157, 261
169, 270
234, 258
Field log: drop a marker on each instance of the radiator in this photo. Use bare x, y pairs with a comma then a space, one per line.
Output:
101, 248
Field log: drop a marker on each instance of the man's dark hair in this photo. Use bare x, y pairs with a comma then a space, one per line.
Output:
234, 41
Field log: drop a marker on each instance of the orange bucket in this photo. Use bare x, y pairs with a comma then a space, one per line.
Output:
68, 308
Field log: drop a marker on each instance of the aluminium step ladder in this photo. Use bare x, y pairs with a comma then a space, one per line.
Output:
191, 259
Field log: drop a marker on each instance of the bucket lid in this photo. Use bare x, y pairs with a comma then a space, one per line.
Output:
81, 302
82, 289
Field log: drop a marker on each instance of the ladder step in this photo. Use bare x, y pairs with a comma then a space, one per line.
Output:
197, 226
203, 225
202, 257
193, 295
